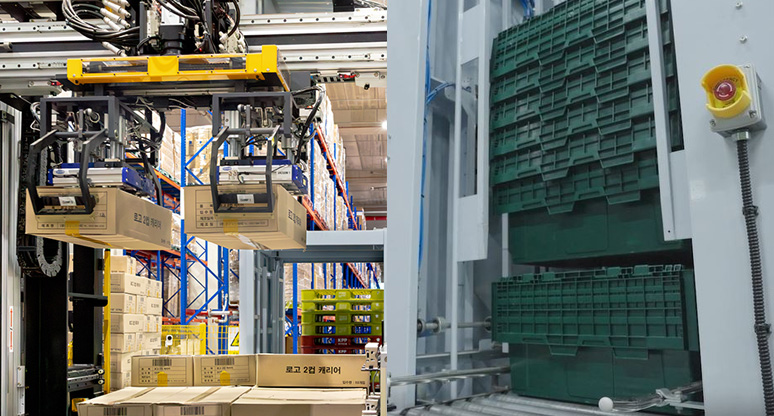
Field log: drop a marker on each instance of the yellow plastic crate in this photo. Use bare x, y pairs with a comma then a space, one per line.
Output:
329, 295
350, 306
324, 317
323, 328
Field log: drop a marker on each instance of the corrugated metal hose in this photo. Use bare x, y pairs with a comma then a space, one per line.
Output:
762, 328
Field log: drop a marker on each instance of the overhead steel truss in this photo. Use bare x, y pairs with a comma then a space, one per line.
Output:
33, 54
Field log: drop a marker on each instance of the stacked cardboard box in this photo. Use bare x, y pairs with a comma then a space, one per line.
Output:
196, 138
176, 221
169, 154
239, 385
135, 317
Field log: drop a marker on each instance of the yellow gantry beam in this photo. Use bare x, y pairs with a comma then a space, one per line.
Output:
266, 66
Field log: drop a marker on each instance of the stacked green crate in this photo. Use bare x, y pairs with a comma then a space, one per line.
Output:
582, 335
572, 123
573, 161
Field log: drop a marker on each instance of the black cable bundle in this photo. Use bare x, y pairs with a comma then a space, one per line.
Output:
762, 328
75, 14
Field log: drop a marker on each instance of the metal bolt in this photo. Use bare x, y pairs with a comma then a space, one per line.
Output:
753, 114
712, 123
742, 39
739, 5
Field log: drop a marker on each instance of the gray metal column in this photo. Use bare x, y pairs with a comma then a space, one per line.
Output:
707, 34
248, 305
11, 396
404, 151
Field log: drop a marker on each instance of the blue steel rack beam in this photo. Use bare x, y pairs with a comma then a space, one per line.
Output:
224, 270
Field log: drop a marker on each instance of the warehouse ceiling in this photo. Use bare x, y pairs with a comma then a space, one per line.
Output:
360, 114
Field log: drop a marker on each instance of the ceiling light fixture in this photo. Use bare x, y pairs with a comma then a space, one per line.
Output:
384, 125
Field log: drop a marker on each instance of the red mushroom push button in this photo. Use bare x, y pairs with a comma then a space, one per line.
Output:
733, 98
727, 91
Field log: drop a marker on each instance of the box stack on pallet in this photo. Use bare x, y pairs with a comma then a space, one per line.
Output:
340, 321
196, 138
573, 161
244, 385
135, 317
327, 200
169, 154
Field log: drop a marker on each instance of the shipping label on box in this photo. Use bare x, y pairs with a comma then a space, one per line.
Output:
122, 323
309, 370
128, 283
162, 370
123, 303
153, 306
121, 362
224, 370
123, 342
119, 221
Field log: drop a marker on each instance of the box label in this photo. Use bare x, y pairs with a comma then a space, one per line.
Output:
67, 201
245, 199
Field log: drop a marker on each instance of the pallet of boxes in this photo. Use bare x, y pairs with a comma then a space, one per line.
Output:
242, 385
135, 318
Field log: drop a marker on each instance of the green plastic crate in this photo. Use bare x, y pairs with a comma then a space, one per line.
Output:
616, 148
586, 374
596, 233
584, 182
547, 37
641, 307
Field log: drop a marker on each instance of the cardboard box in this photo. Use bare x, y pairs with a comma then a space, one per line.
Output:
285, 228
152, 341
154, 288
153, 306
152, 324
309, 370
224, 370
300, 402
123, 303
205, 401
115, 400
123, 342
123, 264
121, 362
120, 380
128, 283
141, 302
162, 370
123, 323
119, 221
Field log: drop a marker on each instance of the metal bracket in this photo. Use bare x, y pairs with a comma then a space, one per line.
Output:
6, 117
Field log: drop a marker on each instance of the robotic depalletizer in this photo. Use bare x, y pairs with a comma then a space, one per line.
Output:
112, 128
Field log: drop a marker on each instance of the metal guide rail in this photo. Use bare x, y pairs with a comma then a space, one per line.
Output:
34, 53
